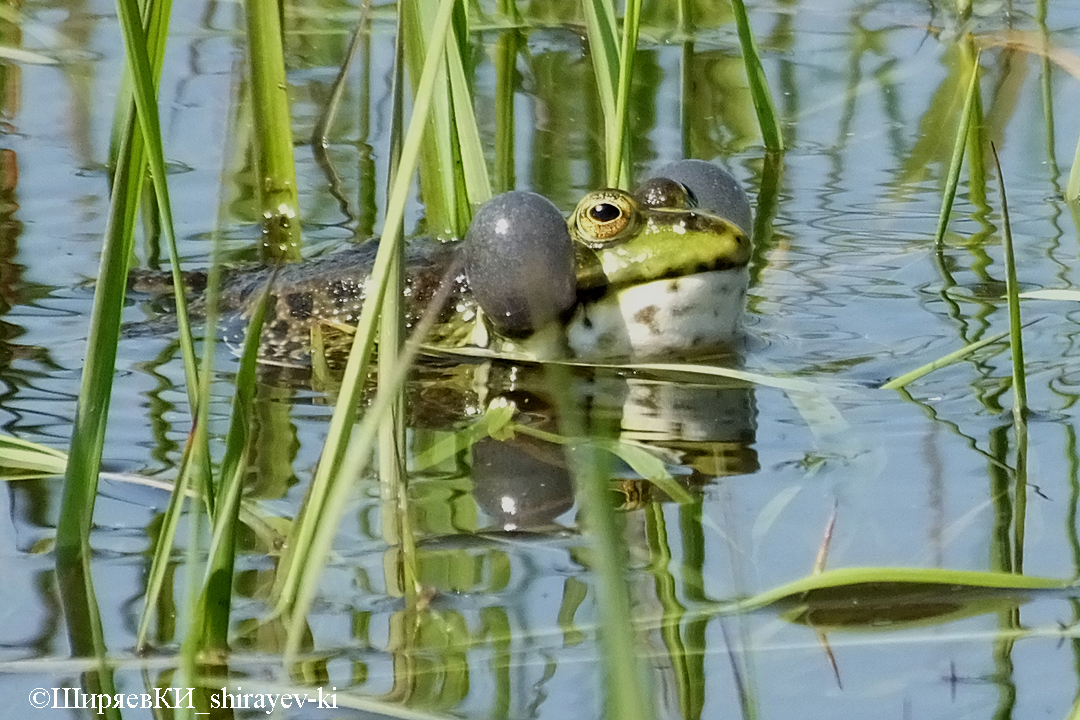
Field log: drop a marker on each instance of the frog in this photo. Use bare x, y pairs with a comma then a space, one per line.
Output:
659, 272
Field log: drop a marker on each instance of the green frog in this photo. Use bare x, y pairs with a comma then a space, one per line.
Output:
659, 272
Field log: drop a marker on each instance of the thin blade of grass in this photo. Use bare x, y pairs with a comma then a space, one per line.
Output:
273, 133
507, 48
357, 456
944, 361
759, 84
392, 476
212, 623
602, 32
618, 158
85, 630
26, 57
1072, 191
19, 454
144, 87
344, 417
641, 458
194, 477
604, 49
156, 25
491, 423
439, 158
1020, 407
1052, 294
473, 164
1012, 293
88, 432
853, 578
957, 160
320, 134
665, 369
163, 546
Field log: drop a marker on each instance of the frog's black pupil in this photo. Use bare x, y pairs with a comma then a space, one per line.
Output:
604, 212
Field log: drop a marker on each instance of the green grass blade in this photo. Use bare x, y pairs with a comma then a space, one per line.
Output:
602, 32
1052, 294
273, 132
439, 157
759, 84
215, 602
86, 632
344, 415
18, 454
1072, 191
88, 432
138, 63
618, 146
473, 164
163, 546
1012, 293
642, 459
663, 369
506, 54
320, 134
1020, 407
604, 49
357, 457
156, 24
899, 577
392, 476
492, 423
957, 160
194, 477
944, 361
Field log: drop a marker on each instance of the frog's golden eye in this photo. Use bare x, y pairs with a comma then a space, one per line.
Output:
604, 217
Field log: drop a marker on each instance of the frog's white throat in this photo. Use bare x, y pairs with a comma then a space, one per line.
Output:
684, 315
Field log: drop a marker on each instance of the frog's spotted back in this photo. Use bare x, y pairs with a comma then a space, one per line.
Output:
329, 292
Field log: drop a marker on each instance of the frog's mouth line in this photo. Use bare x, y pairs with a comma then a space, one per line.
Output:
596, 284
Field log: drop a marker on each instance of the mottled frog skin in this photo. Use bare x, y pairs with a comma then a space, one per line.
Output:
329, 292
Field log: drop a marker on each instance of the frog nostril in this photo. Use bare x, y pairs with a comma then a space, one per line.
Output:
604, 212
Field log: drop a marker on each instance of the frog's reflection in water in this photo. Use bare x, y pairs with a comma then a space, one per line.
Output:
701, 431
701, 428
